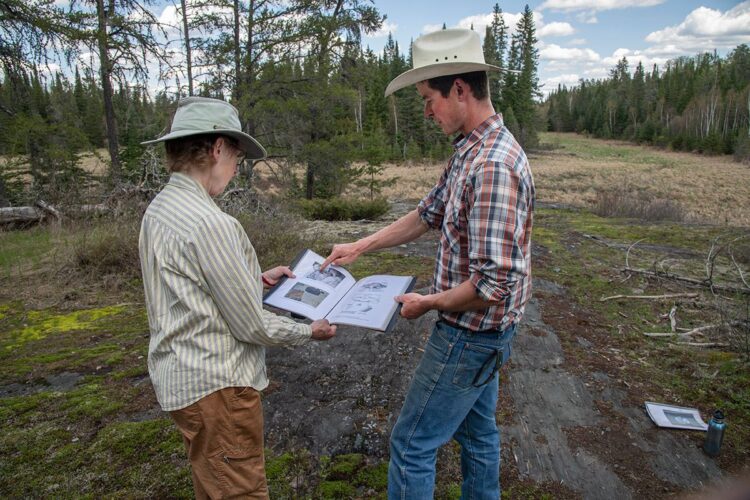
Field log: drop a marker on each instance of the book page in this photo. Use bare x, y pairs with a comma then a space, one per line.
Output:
370, 303
675, 416
313, 292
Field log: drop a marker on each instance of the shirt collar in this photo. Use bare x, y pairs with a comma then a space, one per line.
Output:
463, 143
183, 181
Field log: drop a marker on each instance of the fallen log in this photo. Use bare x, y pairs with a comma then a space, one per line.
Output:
23, 215
703, 344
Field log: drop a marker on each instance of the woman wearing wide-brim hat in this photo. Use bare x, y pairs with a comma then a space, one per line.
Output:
203, 288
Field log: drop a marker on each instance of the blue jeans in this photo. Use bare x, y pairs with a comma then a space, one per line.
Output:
453, 395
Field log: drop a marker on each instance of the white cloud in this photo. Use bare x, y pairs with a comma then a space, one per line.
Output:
554, 52
170, 16
555, 29
596, 5
645, 57
577, 41
568, 79
705, 28
587, 17
386, 29
480, 23
596, 73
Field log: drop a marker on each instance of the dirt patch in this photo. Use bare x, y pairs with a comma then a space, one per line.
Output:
619, 450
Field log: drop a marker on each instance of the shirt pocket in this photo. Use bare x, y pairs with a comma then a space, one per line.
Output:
453, 223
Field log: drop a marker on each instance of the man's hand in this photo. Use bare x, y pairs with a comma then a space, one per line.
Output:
322, 330
344, 253
272, 276
414, 305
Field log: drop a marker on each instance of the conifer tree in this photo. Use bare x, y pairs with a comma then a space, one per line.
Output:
494, 46
527, 83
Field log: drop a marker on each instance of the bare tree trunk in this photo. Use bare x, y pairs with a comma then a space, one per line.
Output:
3, 195
309, 181
236, 93
105, 69
188, 49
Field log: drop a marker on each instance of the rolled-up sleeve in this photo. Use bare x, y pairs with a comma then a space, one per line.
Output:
234, 284
495, 230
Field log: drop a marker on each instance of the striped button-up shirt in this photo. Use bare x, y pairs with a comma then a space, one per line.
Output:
483, 205
204, 299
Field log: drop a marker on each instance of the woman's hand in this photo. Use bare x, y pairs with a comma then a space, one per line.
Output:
272, 276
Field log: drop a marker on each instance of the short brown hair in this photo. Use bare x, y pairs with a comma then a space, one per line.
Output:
193, 152
477, 81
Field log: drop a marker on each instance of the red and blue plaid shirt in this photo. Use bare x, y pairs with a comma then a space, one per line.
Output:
483, 205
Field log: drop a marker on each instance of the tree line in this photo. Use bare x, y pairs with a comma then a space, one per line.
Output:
296, 70
699, 103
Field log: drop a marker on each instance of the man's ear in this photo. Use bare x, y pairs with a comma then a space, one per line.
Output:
461, 88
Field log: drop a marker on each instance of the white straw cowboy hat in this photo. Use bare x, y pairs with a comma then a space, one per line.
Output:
442, 53
202, 115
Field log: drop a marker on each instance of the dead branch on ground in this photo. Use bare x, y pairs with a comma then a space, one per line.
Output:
651, 297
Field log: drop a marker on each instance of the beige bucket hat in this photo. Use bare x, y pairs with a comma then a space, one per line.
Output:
203, 115
442, 53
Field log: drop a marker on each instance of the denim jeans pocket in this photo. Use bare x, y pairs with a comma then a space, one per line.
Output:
475, 362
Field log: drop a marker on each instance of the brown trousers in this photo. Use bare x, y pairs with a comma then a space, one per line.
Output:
223, 434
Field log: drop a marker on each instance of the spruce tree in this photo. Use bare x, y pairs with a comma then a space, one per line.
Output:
494, 53
527, 89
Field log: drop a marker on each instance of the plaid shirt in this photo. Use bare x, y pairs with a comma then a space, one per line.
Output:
483, 205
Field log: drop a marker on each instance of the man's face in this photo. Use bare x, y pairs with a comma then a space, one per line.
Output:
444, 111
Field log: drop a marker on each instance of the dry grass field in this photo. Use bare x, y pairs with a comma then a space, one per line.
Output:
708, 188
576, 169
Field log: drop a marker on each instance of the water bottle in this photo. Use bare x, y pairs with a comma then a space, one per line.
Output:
715, 434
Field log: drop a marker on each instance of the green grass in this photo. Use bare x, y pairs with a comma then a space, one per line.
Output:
585, 148
23, 247
124, 460
45, 342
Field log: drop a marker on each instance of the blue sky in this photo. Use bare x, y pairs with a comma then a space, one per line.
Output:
585, 38
577, 38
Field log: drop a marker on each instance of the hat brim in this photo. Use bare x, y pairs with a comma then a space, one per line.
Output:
433, 71
252, 148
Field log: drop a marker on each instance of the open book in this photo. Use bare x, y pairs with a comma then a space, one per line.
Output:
335, 295
675, 416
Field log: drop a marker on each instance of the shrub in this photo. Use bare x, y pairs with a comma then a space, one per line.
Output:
342, 208
109, 247
276, 237
636, 204
742, 149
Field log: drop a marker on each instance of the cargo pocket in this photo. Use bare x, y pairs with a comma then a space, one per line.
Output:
240, 472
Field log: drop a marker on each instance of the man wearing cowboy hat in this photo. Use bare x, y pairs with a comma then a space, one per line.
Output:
483, 205
204, 288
